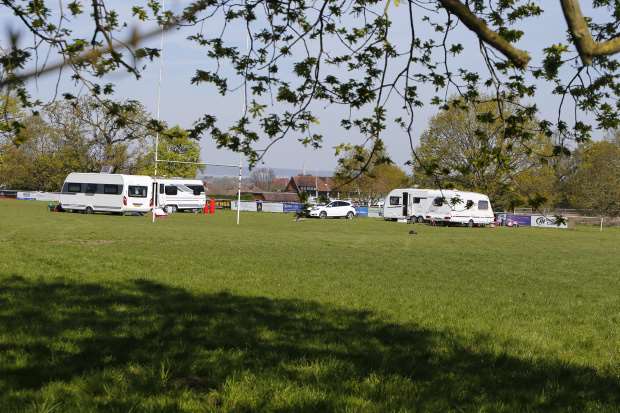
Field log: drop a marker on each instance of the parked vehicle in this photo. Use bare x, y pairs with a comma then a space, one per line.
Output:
195, 185
101, 192
335, 209
407, 203
175, 195
462, 208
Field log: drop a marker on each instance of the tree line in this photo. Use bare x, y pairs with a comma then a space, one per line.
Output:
84, 135
462, 149
459, 149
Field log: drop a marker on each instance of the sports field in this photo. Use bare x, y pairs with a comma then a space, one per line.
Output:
194, 314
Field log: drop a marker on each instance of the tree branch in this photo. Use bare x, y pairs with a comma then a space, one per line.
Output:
519, 57
578, 26
134, 40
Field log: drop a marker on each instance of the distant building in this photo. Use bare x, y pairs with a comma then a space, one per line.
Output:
279, 184
310, 184
274, 196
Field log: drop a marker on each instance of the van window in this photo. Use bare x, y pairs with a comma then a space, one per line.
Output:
161, 188
416, 200
394, 200
91, 188
171, 190
110, 189
137, 191
483, 204
71, 187
197, 188
183, 188
438, 201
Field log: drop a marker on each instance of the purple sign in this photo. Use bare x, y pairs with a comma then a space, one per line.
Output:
520, 220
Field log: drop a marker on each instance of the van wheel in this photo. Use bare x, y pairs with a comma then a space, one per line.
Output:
89, 210
323, 215
350, 215
470, 224
420, 219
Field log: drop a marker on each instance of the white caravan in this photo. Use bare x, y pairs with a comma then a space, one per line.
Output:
101, 192
180, 194
458, 207
407, 203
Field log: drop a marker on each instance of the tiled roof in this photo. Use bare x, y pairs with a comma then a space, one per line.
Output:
279, 183
278, 196
323, 183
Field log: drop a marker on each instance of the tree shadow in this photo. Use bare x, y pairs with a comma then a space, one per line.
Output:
127, 346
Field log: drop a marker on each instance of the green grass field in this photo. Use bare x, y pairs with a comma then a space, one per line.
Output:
194, 314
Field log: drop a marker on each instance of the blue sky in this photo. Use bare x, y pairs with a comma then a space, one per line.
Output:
182, 103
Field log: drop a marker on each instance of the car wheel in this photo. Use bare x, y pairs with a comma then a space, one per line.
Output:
350, 215
470, 224
323, 215
89, 210
420, 219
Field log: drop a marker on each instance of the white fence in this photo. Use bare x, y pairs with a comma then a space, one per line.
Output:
253, 206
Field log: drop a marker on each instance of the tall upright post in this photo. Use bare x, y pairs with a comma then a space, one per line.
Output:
316, 188
245, 109
239, 189
161, 69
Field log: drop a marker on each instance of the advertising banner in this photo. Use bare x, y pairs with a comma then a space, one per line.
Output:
547, 222
520, 220
362, 211
25, 196
272, 207
38, 196
245, 206
291, 207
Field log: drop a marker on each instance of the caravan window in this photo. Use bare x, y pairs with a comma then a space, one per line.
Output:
416, 200
161, 188
171, 190
91, 188
71, 187
110, 189
438, 201
137, 191
483, 204
394, 200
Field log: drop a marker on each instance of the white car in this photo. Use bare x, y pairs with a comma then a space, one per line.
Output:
335, 209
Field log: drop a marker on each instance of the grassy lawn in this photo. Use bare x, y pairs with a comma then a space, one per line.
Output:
192, 314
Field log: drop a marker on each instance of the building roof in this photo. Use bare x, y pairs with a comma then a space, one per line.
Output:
277, 196
279, 184
321, 183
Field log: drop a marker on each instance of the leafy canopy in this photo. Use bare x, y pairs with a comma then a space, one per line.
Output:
304, 55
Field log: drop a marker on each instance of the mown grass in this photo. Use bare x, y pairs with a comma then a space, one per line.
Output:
192, 314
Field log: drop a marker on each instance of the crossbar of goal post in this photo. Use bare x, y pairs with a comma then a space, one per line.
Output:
215, 164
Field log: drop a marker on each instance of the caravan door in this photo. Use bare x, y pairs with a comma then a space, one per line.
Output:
406, 204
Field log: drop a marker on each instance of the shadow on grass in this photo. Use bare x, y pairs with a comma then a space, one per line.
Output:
144, 346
